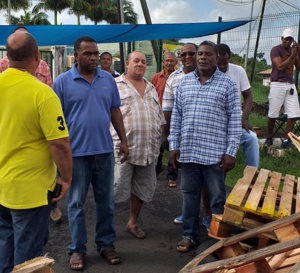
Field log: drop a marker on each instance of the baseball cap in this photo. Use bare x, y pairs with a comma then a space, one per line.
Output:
288, 33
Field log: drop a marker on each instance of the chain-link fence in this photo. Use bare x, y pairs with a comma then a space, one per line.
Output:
271, 30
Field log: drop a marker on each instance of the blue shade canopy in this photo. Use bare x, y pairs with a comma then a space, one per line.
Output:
48, 35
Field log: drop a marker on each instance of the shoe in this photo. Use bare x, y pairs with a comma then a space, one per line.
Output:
287, 144
206, 221
269, 141
178, 220
55, 215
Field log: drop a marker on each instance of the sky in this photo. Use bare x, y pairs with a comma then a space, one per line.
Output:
186, 11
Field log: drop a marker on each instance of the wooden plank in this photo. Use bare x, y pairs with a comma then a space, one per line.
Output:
297, 208
36, 265
233, 216
255, 267
295, 140
230, 251
241, 237
290, 261
276, 261
250, 257
286, 233
268, 207
295, 268
256, 192
286, 199
240, 189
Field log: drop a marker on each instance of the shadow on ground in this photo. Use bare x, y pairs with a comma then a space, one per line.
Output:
155, 254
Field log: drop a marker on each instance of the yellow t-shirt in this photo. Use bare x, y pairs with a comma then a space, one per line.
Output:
30, 116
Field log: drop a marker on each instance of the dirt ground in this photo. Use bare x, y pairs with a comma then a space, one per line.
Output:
155, 254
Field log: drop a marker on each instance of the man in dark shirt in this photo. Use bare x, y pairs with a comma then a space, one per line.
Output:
282, 88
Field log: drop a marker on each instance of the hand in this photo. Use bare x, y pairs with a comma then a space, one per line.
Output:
227, 163
174, 157
247, 126
123, 153
65, 185
295, 49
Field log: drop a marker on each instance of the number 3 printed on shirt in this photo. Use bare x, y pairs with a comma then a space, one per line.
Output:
61, 121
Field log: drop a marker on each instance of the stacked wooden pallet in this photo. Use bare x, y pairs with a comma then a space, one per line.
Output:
267, 205
280, 257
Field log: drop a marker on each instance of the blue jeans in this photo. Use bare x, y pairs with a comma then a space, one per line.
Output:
193, 177
250, 146
99, 171
23, 235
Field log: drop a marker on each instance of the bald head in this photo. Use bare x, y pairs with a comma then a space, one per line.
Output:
21, 46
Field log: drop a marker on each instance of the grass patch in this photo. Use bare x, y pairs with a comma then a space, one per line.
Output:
258, 120
288, 164
259, 92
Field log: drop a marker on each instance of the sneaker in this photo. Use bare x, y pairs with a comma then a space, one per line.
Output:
206, 221
55, 215
287, 144
178, 220
269, 141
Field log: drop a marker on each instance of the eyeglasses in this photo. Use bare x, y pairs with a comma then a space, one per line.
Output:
190, 53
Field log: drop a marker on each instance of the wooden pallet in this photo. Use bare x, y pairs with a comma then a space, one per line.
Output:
280, 257
262, 196
37, 265
295, 139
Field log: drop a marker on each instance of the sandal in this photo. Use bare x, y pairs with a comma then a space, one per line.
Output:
77, 261
171, 183
185, 245
110, 255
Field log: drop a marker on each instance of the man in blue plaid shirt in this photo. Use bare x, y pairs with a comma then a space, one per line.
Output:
204, 136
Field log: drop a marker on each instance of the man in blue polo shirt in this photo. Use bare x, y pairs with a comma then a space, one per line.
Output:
90, 101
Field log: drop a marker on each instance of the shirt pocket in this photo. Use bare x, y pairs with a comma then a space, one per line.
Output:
126, 105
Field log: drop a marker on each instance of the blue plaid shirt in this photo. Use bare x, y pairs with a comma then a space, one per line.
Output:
206, 119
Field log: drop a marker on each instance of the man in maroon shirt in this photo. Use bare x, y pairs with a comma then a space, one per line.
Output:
282, 88
159, 81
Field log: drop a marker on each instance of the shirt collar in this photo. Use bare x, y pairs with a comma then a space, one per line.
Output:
76, 75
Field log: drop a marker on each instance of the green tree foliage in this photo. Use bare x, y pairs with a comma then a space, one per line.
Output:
57, 6
15, 4
29, 18
80, 7
260, 65
107, 10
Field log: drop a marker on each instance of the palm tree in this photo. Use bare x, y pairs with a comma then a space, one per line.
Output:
15, 4
29, 18
57, 6
81, 7
107, 10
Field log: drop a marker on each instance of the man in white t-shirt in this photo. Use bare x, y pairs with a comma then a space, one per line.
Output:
249, 139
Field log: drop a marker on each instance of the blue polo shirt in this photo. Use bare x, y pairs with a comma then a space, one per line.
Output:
87, 108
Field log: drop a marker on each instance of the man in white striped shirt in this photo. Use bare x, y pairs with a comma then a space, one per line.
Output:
143, 119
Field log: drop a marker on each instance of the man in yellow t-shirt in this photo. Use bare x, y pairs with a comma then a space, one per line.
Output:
34, 144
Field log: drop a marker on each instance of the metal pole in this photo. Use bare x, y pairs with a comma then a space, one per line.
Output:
121, 45
148, 21
257, 39
249, 36
219, 34
297, 71
9, 12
